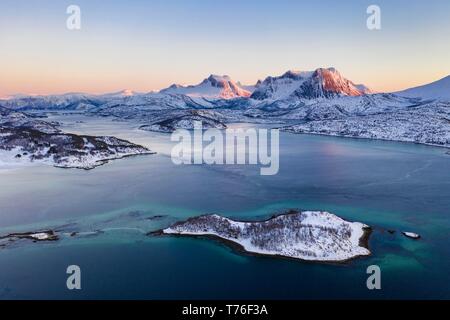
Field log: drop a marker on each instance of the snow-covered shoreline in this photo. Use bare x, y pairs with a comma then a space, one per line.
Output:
372, 139
25, 140
308, 235
63, 152
430, 126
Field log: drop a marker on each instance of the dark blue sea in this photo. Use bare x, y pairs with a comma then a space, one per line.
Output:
387, 185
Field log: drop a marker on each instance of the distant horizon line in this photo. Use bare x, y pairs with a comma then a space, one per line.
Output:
120, 90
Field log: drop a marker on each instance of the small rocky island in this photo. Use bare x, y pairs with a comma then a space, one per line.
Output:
305, 235
411, 235
38, 236
27, 139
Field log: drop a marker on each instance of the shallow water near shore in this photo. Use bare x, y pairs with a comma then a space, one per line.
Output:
388, 185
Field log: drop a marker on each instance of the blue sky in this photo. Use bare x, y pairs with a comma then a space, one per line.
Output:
147, 45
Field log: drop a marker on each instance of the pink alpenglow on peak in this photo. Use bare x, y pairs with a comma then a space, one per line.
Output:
320, 83
213, 87
332, 82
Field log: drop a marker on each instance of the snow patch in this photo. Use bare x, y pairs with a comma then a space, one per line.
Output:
308, 235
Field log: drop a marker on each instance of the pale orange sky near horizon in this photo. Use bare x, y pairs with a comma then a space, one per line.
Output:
53, 85
147, 46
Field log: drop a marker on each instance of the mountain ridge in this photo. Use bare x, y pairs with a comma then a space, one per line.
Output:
320, 83
214, 86
439, 89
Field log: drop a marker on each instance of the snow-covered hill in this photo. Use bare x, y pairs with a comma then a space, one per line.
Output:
213, 87
186, 120
307, 235
121, 94
425, 124
329, 108
68, 101
321, 83
436, 90
24, 139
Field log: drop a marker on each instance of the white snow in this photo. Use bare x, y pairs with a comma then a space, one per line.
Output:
412, 235
40, 236
214, 87
306, 85
429, 124
311, 235
8, 159
276, 88
25, 152
88, 144
439, 89
323, 101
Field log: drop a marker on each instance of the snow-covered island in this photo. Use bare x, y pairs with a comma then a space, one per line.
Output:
411, 235
24, 139
305, 235
186, 120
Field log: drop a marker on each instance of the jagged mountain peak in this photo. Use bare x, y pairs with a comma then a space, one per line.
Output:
213, 87
218, 78
329, 83
296, 74
320, 83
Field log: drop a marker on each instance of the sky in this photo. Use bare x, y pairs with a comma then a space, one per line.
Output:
148, 45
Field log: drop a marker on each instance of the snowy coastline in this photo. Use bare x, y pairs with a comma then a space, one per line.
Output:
25, 140
308, 235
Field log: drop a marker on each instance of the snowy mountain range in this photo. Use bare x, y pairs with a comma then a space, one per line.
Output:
213, 87
321, 83
320, 101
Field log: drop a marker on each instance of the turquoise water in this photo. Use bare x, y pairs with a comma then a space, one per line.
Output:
387, 185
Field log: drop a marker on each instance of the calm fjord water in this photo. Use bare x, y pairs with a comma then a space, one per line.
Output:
387, 185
